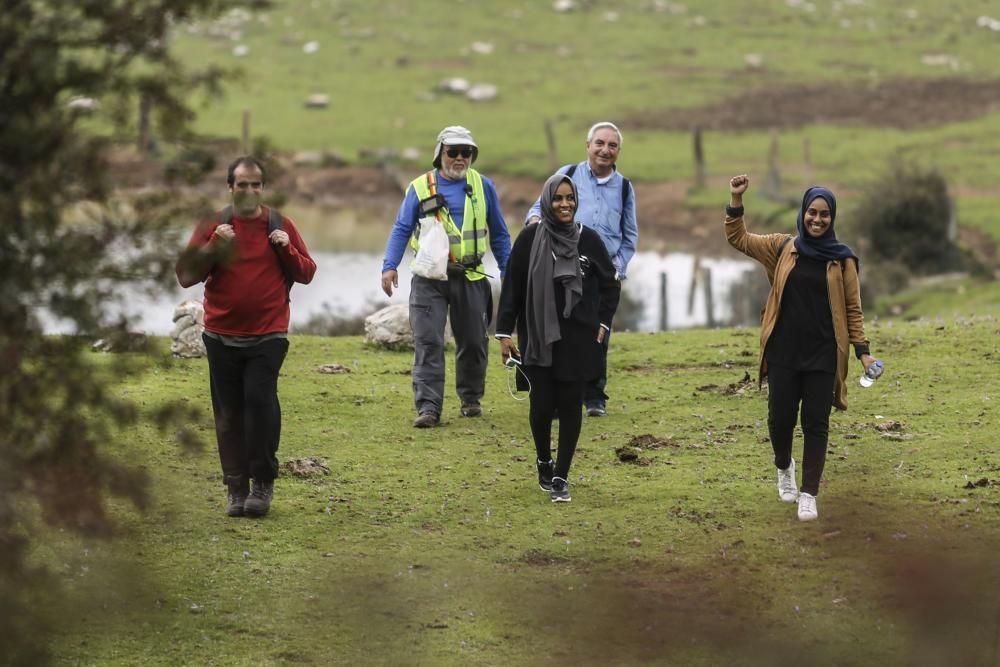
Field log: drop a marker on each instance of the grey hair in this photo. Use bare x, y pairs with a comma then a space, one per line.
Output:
600, 126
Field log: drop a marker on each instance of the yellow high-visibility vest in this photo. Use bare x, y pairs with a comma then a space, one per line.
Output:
467, 245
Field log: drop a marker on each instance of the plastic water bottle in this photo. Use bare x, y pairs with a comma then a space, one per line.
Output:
874, 371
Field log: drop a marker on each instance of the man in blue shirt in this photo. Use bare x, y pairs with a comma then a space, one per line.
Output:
606, 205
467, 205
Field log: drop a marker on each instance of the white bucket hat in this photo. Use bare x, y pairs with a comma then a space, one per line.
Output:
454, 135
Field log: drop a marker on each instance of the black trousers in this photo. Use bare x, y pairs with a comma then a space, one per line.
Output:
594, 393
244, 382
787, 389
548, 395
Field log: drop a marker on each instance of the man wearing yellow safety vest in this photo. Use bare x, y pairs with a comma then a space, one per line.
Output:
467, 205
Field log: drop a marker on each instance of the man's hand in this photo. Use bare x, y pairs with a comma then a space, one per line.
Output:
390, 279
224, 232
279, 238
533, 220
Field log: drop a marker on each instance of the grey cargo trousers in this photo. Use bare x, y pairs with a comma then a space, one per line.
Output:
470, 303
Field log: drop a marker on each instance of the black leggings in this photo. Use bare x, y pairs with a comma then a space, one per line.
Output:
547, 396
786, 389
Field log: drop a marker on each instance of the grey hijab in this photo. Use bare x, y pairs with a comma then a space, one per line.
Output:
555, 259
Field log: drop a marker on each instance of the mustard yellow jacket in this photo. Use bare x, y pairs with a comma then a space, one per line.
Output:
842, 285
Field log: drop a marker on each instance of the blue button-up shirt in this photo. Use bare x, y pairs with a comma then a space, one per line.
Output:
600, 208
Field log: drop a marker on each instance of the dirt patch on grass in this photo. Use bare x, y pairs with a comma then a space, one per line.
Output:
648, 441
896, 103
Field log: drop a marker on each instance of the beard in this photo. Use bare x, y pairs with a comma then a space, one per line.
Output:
455, 173
246, 203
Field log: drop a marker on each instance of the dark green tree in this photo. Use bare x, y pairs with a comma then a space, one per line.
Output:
57, 414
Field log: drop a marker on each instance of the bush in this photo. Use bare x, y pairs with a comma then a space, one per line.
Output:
907, 217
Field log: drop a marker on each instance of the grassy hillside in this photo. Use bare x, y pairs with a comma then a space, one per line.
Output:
437, 548
845, 85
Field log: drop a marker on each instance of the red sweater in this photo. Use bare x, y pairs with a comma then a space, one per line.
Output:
248, 295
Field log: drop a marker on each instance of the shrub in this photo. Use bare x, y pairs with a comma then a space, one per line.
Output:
907, 217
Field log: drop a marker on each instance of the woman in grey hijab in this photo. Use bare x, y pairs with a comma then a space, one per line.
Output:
559, 294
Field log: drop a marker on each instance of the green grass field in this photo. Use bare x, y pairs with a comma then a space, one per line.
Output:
632, 61
436, 547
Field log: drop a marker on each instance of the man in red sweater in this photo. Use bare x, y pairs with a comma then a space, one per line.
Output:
248, 262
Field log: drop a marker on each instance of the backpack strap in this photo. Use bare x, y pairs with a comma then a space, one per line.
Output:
274, 222
570, 170
781, 248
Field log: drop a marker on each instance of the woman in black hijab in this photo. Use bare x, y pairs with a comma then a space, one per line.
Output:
812, 312
560, 295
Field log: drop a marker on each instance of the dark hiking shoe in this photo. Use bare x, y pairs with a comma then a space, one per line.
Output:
427, 419
560, 490
471, 410
545, 470
237, 492
596, 410
259, 500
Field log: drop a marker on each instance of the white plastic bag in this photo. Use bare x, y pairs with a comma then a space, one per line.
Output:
432, 256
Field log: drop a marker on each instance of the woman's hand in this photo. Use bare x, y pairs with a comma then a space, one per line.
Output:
507, 348
739, 184
867, 360
601, 333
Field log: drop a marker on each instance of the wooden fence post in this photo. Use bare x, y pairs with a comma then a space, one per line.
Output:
699, 159
245, 135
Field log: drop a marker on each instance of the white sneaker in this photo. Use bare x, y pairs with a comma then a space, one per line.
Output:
807, 507
788, 492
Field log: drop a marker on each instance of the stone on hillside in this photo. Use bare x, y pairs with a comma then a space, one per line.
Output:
483, 48
410, 154
564, 5
310, 47
317, 101
189, 323
390, 327
241, 50
753, 60
81, 103
127, 342
482, 92
455, 85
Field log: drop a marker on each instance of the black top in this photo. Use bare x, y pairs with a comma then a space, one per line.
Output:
577, 356
803, 337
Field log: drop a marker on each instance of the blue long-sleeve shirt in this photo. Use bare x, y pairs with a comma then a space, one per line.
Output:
600, 208
454, 195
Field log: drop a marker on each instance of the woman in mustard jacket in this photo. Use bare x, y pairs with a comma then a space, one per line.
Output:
813, 311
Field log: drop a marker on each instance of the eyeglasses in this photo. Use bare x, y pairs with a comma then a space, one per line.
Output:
243, 185
455, 151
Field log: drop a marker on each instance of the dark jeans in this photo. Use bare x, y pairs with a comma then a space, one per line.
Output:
594, 391
787, 388
244, 382
548, 395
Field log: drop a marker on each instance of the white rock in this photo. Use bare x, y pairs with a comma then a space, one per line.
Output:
390, 327
317, 101
564, 5
483, 48
241, 50
456, 85
482, 92
754, 60
310, 47
82, 103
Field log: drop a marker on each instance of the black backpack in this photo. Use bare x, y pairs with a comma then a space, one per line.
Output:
273, 223
626, 188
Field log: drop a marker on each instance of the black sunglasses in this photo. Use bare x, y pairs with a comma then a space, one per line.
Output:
455, 151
